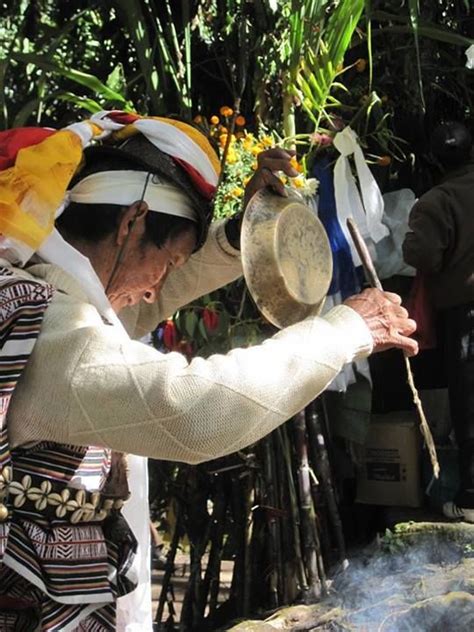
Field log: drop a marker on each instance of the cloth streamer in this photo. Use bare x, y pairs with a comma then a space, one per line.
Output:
367, 211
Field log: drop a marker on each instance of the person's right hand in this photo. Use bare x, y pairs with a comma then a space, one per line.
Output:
387, 320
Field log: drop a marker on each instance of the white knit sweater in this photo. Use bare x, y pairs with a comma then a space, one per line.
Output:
87, 384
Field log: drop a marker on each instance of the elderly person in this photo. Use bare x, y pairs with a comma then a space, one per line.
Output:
135, 239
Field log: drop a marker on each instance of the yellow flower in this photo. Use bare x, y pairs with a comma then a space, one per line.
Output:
226, 110
237, 192
297, 182
254, 165
267, 141
231, 157
214, 120
256, 149
246, 180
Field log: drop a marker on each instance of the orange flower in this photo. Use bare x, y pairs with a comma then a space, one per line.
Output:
361, 65
197, 119
384, 161
214, 120
222, 140
296, 165
240, 120
226, 110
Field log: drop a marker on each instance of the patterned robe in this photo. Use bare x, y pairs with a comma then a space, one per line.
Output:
65, 549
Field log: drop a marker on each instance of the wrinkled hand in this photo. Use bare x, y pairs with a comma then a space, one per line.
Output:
269, 162
387, 320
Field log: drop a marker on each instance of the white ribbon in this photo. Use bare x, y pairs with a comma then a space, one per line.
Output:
125, 187
367, 214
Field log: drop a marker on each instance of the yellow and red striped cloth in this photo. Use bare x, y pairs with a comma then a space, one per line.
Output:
37, 164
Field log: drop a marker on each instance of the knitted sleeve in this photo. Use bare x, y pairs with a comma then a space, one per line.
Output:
89, 386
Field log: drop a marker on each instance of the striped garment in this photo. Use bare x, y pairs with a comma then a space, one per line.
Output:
65, 549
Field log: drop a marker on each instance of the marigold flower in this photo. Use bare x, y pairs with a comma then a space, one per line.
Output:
222, 140
296, 165
214, 120
226, 110
361, 65
240, 120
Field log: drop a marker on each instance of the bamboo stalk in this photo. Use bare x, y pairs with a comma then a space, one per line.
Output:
272, 543
374, 281
294, 521
308, 516
170, 558
320, 458
210, 587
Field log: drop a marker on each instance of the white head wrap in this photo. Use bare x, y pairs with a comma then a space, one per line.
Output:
126, 187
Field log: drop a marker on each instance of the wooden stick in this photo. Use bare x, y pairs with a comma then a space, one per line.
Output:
374, 281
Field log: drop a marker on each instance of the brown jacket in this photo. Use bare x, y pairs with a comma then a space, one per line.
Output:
441, 241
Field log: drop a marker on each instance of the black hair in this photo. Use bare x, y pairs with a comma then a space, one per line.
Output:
94, 222
451, 144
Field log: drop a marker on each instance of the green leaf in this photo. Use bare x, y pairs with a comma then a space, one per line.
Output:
202, 329
190, 322
83, 78
116, 79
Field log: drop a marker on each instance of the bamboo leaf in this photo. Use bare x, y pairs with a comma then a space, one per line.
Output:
82, 78
132, 16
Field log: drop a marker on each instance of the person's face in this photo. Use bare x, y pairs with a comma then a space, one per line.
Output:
145, 267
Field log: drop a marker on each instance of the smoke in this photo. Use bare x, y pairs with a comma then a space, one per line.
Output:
403, 585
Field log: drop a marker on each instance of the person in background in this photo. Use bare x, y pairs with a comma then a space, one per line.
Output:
440, 245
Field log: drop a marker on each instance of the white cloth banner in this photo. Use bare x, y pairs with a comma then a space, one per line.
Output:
134, 610
367, 211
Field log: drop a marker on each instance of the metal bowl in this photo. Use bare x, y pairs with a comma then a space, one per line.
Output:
286, 257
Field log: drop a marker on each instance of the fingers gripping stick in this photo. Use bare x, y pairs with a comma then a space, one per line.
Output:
374, 281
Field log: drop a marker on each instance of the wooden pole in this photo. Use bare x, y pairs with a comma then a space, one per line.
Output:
374, 281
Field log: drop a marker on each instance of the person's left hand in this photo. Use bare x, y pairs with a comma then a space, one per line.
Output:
269, 162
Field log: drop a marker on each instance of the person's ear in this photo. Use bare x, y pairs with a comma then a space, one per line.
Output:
133, 218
